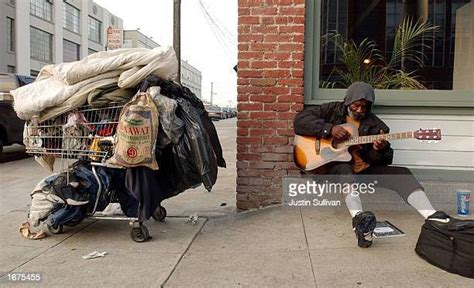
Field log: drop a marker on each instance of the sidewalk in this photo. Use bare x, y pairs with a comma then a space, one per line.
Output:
272, 247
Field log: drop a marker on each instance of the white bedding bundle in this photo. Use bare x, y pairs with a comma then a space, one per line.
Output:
70, 83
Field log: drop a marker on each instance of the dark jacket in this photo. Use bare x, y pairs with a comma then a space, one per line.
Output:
318, 121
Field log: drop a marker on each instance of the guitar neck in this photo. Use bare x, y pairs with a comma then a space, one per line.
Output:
371, 138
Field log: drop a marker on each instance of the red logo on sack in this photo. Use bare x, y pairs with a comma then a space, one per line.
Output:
132, 152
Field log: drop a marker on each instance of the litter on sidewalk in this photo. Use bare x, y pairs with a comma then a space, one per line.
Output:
25, 232
95, 254
192, 219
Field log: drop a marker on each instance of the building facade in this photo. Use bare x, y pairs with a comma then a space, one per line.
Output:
136, 39
281, 69
41, 32
191, 77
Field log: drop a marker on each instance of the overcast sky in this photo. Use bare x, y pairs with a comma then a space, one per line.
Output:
213, 56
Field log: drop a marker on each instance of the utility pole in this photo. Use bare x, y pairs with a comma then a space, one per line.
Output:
177, 35
212, 91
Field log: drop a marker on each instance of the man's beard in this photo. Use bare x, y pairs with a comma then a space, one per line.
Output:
354, 115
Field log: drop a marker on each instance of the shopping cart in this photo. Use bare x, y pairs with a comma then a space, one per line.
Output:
86, 134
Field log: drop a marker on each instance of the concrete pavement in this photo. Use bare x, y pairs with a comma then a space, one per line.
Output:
272, 247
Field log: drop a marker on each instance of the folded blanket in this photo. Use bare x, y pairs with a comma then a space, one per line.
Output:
160, 60
57, 83
102, 96
75, 101
34, 98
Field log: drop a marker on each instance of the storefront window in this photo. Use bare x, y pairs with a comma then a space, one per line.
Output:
364, 41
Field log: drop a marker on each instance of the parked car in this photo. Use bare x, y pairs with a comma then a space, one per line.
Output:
214, 112
11, 127
225, 113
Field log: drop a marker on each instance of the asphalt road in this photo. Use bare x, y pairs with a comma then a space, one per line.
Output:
13, 153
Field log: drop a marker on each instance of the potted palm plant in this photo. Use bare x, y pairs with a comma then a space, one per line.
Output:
365, 62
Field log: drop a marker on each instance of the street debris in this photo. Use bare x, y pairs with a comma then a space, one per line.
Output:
26, 232
193, 219
95, 254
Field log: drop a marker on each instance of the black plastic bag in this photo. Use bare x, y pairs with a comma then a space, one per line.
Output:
176, 91
183, 174
202, 154
178, 171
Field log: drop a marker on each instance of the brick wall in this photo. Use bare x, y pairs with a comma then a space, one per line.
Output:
270, 93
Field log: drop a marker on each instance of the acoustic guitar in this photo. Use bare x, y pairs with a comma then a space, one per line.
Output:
312, 154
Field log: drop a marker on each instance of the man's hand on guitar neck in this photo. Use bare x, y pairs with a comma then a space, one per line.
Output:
380, 143
339, 133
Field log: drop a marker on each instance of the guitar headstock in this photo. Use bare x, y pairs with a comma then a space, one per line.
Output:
428, 134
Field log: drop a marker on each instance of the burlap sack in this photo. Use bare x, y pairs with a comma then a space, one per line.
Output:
136, 135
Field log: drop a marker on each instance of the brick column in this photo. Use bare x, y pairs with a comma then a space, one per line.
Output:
270, 93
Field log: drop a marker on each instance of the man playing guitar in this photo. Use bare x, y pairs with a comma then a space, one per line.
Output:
373, 158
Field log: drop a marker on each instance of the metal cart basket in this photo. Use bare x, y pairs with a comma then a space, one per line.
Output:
86, 133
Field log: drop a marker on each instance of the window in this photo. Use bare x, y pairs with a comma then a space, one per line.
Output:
71, 51
95, 30
91, 51
34, 73
333, 19
127, 43
42, 9
41, 45
71, 18
446, 51
10, 34
11, 69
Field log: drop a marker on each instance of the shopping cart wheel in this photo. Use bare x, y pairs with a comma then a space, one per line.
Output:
53, 230
159, 214
140, 234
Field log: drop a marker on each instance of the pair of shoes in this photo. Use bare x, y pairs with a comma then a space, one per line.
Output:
363, 224
439, 216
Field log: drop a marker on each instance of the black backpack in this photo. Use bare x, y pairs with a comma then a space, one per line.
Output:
449, 246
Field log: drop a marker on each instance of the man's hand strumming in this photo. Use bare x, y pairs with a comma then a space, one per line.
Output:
339, 133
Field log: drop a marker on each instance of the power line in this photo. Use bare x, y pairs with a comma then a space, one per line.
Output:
219, 39
223, 37
216, 33
221, 27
